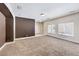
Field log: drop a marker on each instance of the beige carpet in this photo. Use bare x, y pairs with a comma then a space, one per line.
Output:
40, 46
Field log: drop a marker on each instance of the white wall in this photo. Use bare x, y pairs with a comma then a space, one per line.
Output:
38, 28
71, 18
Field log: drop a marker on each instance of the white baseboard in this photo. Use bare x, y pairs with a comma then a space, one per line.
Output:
29, 37
2, 47
5, 45
19, 39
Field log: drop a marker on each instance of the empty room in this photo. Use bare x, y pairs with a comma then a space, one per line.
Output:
39, 29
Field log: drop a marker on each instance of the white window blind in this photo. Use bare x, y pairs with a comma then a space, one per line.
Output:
49, 28
66, 29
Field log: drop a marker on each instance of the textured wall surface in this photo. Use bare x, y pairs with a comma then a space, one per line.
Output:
25, 27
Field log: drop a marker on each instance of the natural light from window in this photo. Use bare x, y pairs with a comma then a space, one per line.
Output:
66, 29
51, 28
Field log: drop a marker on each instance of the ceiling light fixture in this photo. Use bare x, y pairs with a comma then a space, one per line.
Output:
42, 14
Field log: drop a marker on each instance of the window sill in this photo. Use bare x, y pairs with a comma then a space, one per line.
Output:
66, 34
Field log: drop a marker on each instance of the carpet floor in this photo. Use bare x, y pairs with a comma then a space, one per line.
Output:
41, 46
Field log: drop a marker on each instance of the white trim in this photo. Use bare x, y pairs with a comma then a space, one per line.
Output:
65, 34
19, 39
5, 45
2, 47
29, 37
14, 24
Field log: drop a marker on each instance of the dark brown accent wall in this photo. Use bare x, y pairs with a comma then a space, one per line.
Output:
9, 29
25, 27
8, 24
5, 10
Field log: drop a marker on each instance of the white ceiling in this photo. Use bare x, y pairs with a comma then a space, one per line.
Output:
50, 10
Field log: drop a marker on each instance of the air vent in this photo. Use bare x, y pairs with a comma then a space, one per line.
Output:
42, 14
19, 7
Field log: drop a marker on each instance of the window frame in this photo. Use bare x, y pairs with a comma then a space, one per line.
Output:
66, 34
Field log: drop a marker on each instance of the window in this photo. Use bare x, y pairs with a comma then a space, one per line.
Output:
51, 28
66, 29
